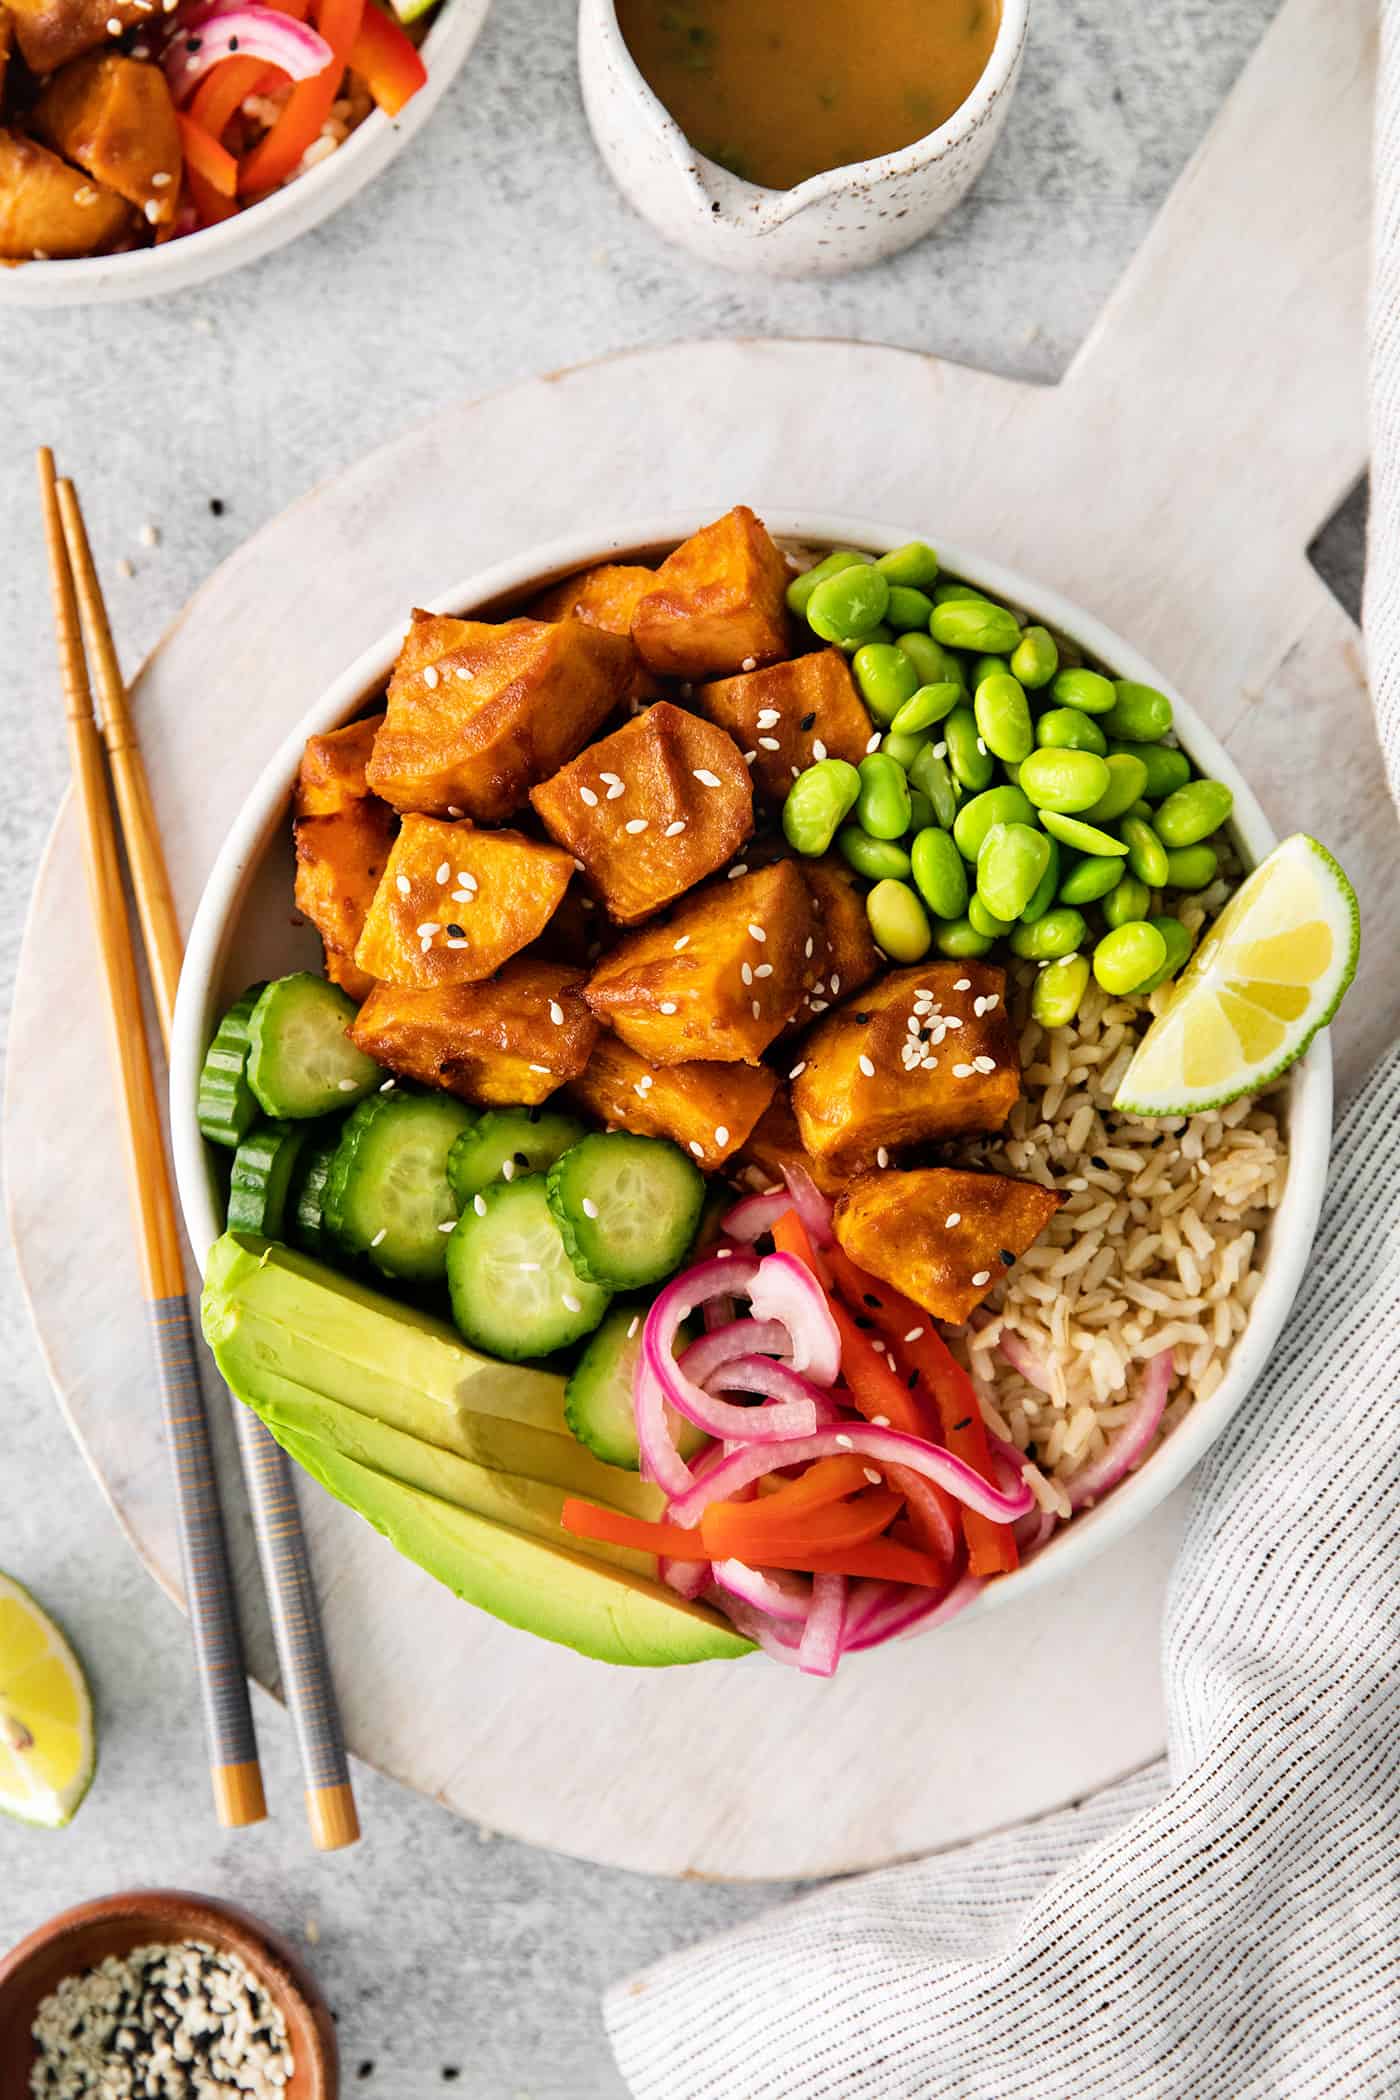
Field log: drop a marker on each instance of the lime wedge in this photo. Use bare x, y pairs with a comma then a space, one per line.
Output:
1269, 973
47, 1741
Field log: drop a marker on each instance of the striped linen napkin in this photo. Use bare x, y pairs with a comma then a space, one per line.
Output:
1225, 1926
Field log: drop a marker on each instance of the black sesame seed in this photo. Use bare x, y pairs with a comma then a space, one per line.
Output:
458, 933
966, 1423
869, 1298
449, 2072
533, 1114
912, 1380
522, 1159
233, 43
863, 1324
193, 43
808, 720
366, 2069
1007, 1256
216, 505
862, 1018
1096, 1160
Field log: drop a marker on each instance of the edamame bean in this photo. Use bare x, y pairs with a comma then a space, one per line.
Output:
934, 664
1147, 856
799, 591
939, 873
881, 632
914, 564
925, 707
1060, 932
1178, 942
1141, 809
1035, 659
1167, 768
959, 939
1084, 838
886, 679
920, 812
1089, 691
999, 805
819, 799
1089, 879
931, 777
1009, 867
1191, 868
882, 806
1125, 777
974, 623
1192, 813
1004, 718
1070, 729
948, 591
1058, 991
984, 921
1128, 955
898, 920
1128, 899
1043, 895
905, 749
876, 859
909, 610
971, 762
1139, 712
849, 603
1064, 780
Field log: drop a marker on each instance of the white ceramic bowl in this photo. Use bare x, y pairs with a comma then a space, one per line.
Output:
98, 280
241, 932
840, 220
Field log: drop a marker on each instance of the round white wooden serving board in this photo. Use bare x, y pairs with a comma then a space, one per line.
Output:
1171, 484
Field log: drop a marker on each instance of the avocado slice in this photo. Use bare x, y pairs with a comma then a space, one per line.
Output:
549, 1590
269, 1312
292, 1412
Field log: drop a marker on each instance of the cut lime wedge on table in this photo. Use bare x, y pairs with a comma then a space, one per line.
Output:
1268, 974
47, 1745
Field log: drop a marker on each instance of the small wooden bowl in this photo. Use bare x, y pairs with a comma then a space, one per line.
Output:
78, 1939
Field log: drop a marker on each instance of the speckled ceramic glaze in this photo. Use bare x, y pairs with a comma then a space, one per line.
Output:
841, 220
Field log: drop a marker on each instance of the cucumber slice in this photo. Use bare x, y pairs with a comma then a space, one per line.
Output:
598, 1396
263, 1167
225, 1105
514, 1291
386, 1193
506, 1142
627, 1207
307, 1203
301, 1062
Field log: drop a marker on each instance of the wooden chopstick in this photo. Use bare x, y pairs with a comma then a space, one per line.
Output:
228, 1719
330, 1801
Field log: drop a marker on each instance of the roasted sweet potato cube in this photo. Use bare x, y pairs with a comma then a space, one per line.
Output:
455, 903
846, 955
942, 1236
791, 714
925, 1053
332, 774
650, 810
719, 979
51, 32
710, 1109
605, 597
340, 860
113, 117
775, 1143
480, 710
717, 604
513, 1039
50, 209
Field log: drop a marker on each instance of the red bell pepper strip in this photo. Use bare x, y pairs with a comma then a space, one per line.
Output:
991, 1547
745, 1531
388, 61
587, 1520
825, 1480
212, 207
204, 154
308, 106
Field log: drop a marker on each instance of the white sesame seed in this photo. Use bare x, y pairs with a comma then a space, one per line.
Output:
632, 1325
835, 982
444, 870
85, 194
796, 771
382, 1234
612, 779
428, 928
758, 1009
673, 831
914, 1334
347, 1086
644, 1083
912, 1024
750, 663
448, 1225
466, 878
764, 970
940, 750
879, 1421
114, 27
537, 1068
590, 1208
479, 1205
798, 1069
740, 868
982, 1276
616, 788
152, 209
872, 743
452, 809
818, 748
873, 1477
769, 743
697, 1148
162, 178
845, 1443
807, 950
430, 676
387, 1086
588, 798
818, 1006
953, 1218
705, 777
981, 746
962, 1071
404, 885
984, 1064
149, 535
683, 942
952, 1021
756, 932
556, 1013
882, 1157
124, 568
746, 972
721, 1134
508, 1170
767, 716
992, 1000
963, 984
572, 1303
667, 1006
866, 1066
457, 941
635, 824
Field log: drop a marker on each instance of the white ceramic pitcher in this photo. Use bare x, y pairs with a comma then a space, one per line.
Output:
837, 221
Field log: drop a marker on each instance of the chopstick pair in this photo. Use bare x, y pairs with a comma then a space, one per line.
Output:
80, 616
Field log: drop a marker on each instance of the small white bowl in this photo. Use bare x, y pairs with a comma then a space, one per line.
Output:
145, 273
241, 932
840, 220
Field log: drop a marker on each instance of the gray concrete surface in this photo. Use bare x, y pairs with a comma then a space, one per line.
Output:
494, 247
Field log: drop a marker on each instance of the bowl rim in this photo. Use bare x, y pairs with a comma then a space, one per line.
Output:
1309, 1083
774, 207
176, 265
